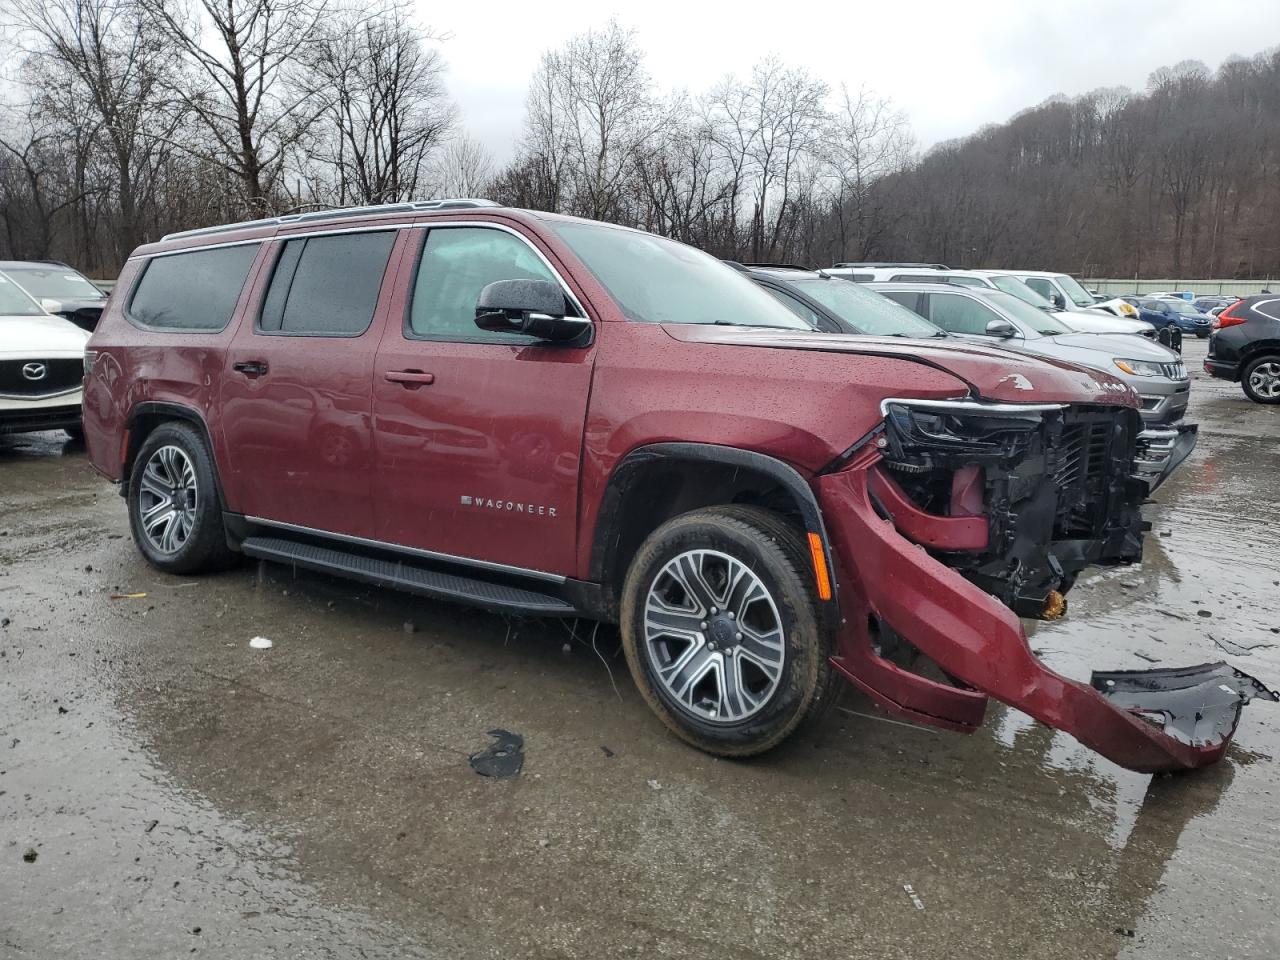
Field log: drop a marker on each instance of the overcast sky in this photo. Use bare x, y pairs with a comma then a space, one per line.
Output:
951, 66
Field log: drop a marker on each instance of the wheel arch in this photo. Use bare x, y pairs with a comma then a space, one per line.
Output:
659, 481
145, 417
1258, 348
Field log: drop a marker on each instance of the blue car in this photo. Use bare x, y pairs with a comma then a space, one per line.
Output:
1178, 314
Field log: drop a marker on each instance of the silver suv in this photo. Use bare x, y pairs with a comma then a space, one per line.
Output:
1155, 372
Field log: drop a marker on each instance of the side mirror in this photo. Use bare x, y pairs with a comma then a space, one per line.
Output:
50, 305
1002, 329
533, 307
1059, 301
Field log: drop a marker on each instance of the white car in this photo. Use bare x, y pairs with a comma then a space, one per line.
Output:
41, 366
1103, 320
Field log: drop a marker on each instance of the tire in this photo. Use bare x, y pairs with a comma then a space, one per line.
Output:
76, 433
174, 468
1261, 379
756, 705
1201, 336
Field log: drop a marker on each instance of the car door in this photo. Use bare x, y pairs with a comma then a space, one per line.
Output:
962, 316
477, 434
297, 393
1047, 289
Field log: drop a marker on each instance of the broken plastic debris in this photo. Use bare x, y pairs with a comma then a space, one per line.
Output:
503, 758
127, 596
654, 785
260, 643
912, 894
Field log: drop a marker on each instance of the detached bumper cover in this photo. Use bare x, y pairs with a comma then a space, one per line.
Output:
1161, 450
891, 583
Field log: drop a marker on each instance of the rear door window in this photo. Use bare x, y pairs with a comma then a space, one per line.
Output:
959, 314
192, 292
326, 286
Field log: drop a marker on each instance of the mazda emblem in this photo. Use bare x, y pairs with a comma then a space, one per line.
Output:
34, 371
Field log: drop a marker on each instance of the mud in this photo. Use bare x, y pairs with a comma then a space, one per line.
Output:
185, 792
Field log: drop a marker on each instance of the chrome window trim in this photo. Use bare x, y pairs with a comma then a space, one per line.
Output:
411, 551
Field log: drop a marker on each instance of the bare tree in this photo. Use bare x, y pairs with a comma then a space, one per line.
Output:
867, 140
240, 86
385, 110
97, 64
464, 168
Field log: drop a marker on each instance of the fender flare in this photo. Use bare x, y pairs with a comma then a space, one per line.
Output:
171, 411
787, 477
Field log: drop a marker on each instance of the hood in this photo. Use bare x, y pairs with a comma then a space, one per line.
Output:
991, 372
40, 337
1103, 323
1111, 345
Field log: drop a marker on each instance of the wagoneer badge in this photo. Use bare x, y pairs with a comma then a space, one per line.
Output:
511, 506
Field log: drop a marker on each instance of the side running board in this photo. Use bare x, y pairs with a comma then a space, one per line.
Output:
408, 577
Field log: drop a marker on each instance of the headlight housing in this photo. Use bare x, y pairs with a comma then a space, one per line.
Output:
1139, 368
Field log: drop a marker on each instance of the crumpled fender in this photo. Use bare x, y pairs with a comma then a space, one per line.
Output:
974, 638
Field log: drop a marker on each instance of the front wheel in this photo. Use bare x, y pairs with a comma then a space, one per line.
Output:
1261, 379
174, 511
721, 630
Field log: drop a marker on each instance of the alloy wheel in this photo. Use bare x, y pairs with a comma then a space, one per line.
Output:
167, 495
1264, 380
713, 636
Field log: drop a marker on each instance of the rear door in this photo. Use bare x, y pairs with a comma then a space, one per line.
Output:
477, 434
297, 389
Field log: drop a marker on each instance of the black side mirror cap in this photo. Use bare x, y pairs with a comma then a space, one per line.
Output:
536, 308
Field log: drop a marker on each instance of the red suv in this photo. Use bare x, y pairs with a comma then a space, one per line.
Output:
556, 417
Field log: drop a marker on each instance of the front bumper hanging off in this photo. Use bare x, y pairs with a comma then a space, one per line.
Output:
896, 593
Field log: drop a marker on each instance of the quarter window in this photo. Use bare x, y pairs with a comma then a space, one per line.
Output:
797, 307
457, 263
327, 286
192, 292
1041, 286
957, 314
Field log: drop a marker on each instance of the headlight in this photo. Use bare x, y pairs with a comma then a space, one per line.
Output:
1139, 368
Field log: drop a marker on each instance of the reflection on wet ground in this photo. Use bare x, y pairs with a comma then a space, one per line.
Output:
314, 799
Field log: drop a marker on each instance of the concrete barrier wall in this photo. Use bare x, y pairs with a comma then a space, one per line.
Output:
1201, 288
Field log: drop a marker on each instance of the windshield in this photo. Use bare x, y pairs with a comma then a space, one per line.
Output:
1078, 294
15, 303
660, 281
1181, 306
54, 281
1033, 317
865, 310
1016, 288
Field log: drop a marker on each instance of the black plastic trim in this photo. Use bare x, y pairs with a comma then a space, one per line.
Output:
400, 575
171, 411
607, 524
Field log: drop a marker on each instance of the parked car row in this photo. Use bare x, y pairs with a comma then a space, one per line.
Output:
772, 480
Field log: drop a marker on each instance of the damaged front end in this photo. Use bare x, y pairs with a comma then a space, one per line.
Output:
959, 515
1052, 482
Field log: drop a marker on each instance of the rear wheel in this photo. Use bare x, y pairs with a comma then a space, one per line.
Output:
1261, 379
721, 630
174, 511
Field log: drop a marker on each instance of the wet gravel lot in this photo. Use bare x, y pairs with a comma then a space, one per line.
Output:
165, 789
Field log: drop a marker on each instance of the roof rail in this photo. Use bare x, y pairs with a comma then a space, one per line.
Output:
409, 206
777, 266
888, 263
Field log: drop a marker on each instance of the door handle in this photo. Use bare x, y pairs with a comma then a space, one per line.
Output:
410, 379
251, 368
